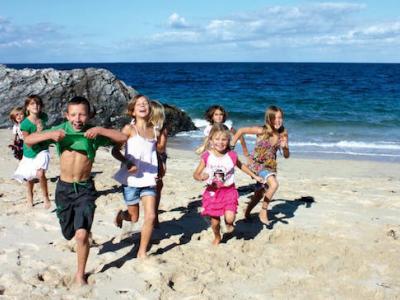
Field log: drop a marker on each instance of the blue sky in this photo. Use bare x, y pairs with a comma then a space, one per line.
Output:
44, 31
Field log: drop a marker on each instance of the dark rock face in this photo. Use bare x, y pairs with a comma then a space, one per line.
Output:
107, 94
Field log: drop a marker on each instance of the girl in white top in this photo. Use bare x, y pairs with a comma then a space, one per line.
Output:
139, 168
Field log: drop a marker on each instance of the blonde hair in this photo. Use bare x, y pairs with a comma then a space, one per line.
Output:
13, 113
131, 104
157, 116
215, 129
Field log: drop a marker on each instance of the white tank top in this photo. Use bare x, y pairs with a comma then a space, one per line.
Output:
142, 152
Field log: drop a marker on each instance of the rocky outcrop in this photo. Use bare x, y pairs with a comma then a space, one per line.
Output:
107, 94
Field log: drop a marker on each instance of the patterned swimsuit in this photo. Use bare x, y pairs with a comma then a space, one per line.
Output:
264, 155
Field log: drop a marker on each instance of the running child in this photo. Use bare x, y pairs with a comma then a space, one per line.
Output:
139, 170
35, 160
77, 143
271, 137
16, 116
216, 114
217, 168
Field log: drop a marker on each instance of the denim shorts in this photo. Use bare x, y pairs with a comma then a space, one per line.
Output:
132, 194
264, 174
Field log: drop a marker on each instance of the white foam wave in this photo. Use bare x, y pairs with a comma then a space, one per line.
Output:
350, 144
350, 153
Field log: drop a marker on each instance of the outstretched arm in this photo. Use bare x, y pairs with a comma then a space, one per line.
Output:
198, 173
246, 170
37, 137
114, 135
245, 130
242, 142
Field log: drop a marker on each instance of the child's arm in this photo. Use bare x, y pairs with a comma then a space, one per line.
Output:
116, 151
245, 130
285, 144
37, 137
198, 173
246, 170
162, 141
116, 136
243, 143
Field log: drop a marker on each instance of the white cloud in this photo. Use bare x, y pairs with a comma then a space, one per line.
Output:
177, 22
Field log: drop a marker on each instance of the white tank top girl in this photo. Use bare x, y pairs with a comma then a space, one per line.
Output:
142, 152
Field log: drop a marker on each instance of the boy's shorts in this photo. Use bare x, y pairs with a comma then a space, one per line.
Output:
75, 206
264, 174
132, 194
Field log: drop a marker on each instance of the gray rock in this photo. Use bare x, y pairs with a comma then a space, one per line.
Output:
107, 94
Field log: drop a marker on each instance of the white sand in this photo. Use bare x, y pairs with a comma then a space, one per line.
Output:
346, 245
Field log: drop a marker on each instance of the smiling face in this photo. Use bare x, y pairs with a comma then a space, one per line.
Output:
218, 116
141, 108
278, 121
220, 141
77, 115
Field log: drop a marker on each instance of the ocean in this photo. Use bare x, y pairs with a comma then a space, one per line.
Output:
332, 110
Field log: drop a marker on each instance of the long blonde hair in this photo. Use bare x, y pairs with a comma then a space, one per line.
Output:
157, 116
216, 128
270, 115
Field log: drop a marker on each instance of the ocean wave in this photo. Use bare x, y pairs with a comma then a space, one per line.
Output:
350, 153
350, 144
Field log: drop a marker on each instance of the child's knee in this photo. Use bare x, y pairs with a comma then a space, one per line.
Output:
81, 236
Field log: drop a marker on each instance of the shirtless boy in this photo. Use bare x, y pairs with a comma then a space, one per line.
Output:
75, 196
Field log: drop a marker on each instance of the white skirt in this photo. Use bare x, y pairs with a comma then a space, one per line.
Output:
28, 167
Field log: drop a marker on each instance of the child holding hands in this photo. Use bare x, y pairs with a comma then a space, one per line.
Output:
271, 137
217, 168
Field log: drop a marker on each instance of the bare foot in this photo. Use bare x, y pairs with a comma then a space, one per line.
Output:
118, 219
263, 216
47, 204
141, 255
80, 280
229, 228
216, 240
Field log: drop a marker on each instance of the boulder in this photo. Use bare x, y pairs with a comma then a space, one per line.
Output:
107, 94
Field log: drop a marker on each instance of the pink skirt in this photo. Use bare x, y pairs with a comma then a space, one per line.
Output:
216, 201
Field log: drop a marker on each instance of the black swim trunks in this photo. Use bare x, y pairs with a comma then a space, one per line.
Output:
75, 206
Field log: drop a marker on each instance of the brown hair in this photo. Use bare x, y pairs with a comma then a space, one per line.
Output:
132, 102
31, 98
14, 111
210, 113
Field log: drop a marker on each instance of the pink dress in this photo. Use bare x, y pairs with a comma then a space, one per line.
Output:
221, 194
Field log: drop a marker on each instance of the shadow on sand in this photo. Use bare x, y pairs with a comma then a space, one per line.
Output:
186, 226
191, 222
248, 229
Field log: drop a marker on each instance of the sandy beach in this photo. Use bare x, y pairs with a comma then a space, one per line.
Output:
345, 245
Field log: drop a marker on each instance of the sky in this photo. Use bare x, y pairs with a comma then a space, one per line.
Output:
48, 31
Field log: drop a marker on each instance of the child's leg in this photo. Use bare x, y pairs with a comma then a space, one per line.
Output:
149, 205
43, 185
160, 185
29, 193
129, 215
216, 228
82, 253
258, 194
272, 188
229, 219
